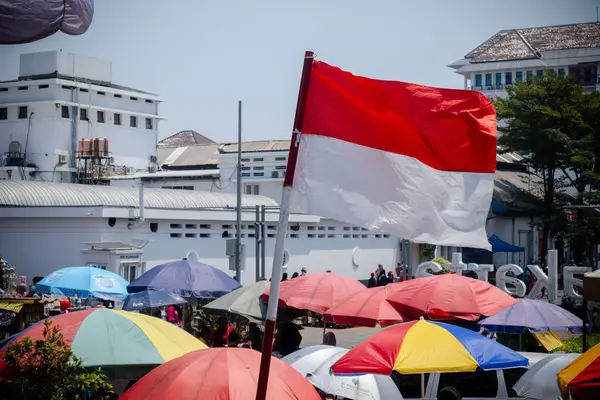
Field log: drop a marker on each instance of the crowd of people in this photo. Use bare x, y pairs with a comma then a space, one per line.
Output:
380, 278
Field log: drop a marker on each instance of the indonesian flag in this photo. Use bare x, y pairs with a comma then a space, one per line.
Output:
413, 161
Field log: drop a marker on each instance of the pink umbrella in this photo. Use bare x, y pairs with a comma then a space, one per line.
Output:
367, 308
317, 292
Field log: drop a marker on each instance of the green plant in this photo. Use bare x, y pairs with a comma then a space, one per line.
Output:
441, 260
48, 369
575, 344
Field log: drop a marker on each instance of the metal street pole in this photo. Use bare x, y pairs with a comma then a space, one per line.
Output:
257, 240
263, 242
238, 228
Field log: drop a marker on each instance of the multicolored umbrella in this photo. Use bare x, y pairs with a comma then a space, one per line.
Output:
151, 299
185, 278
421, 347
124, 344
220, 373
316, 292
84, 282
580, 380
450, 296
534, 315
367, 308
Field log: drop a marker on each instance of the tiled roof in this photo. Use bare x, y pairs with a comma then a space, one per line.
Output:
188, 156
257, 146
184, 138
523, 44
45, 194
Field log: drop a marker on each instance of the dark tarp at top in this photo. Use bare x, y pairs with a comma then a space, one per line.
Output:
498, 246
25, 21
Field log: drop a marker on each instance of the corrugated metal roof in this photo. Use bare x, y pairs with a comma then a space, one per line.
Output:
258, 146
44, 194
522, 44
185, 138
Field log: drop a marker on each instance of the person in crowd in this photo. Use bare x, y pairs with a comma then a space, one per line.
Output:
372, 281
303, 271
295, 275
65, 306
381, 276
221, 334
449, 393
173, 316
288, 338
284, 277
234, 339
204, 334
399, 271
256, 336
390, 277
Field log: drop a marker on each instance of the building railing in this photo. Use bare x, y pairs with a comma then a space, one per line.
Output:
487, 87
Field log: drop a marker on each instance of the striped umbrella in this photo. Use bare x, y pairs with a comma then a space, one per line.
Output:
125, 345
580, 380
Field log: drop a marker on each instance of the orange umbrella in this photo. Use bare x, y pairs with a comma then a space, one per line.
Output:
581, 379
367, 308
220, 374
317, 292
450, 296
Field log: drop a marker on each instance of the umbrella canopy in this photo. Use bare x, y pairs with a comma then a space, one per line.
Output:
125, 345
367, 308
539, 382
151, 299
84, 281
247, 302
25, 21
186, 278
314, 362
220, 373
425, 347
317, 292
581, 378
450, 296
535, 315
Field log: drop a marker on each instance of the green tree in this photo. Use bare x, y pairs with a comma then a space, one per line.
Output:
541, 120
48, 369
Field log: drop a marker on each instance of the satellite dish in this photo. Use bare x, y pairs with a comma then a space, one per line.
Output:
193, 256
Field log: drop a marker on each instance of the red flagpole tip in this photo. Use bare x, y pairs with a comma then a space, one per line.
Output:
309, 54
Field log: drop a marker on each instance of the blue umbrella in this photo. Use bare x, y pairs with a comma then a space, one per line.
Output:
151, 299
534, 315
83, 282
186, 278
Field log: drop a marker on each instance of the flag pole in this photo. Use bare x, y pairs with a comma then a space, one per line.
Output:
267, 349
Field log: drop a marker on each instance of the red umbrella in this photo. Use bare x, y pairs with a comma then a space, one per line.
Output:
450, 296
367, 308
220, 374
317, 292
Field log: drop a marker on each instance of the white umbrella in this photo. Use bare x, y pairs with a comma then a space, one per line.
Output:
540, 382
314, 362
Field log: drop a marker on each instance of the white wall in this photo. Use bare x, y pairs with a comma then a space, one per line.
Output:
519, 233
48, 62
39, 246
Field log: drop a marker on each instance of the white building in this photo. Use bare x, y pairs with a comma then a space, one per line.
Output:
45, 226
515, 55
60, 98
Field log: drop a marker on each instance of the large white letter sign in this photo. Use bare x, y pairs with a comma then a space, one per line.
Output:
541, 281
421, 270
457, 265
570, 282
482, 270
502, 280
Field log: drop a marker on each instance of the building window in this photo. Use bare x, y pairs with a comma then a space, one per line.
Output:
246, 168
134, 98
100, 116
508, 78
529, 75
519, 76
259, 159
67, 87
561, 71
23, 112
539, 73
4, 89
175, 235
101, 94
149, 101
83, 90
64, 112
83, 114
133, 121
498, 79
118, 96
175, 226
488, 79
259, 168
3, 113
117, 119
43, 86
478, 80
279, 158
259, 174
245, 174
252, 189
23, 87
148, 123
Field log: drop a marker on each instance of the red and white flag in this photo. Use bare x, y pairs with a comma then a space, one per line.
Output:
413, 161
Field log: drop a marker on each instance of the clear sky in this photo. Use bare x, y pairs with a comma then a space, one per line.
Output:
203, 56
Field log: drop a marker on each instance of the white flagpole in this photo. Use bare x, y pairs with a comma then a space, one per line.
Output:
267, 349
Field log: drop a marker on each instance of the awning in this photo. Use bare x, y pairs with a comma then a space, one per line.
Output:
498, 246
11, 306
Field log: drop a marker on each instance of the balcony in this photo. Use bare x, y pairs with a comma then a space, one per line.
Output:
487, 87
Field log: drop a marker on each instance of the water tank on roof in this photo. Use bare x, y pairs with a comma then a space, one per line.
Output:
14, 147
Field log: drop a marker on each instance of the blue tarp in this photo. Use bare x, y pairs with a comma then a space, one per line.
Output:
498, 246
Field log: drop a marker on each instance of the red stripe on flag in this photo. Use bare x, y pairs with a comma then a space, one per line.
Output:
446, 129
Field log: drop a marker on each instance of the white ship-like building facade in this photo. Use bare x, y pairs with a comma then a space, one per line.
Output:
76, 148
